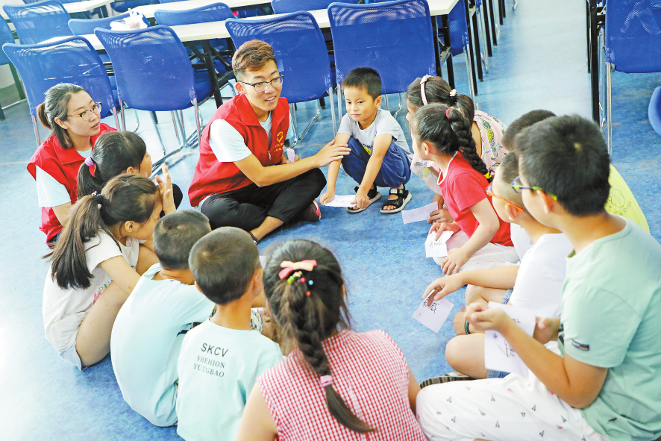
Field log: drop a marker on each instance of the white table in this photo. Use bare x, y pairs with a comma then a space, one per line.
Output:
148, 10
76, 7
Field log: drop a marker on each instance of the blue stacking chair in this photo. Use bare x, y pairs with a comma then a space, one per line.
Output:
654, 110
154, 73
632, 43
40, 21
70, 60
6, 36
395, 38
286, 6
124, 6
301, 53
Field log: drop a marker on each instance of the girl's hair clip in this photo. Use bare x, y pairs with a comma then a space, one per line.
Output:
289, 267
422, 89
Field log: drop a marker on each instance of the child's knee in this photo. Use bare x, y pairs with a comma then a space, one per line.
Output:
453, 352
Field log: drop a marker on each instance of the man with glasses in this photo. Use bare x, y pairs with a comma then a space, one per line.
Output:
242, 178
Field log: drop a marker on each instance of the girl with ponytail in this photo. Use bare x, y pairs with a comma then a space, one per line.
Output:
115, 153
336, 383
442, 134
486, 131
74, 120
96, 263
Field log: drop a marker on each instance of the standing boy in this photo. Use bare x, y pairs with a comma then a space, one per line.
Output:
604, 383
378, 146
242, 178
221, 358
150, 327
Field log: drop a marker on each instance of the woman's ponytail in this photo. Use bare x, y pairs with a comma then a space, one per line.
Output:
309, 307
43, 118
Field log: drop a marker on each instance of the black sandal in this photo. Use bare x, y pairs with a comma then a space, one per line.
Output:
374, 196
403, 197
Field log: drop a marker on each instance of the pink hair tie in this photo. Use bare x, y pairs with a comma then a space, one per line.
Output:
289, 267
90, 163
326, 380
447, 113
422, 89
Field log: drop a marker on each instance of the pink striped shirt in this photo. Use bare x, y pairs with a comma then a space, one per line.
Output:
370, 374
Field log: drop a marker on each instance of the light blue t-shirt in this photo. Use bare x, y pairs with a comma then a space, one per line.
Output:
146, 339
611, 318
218, 367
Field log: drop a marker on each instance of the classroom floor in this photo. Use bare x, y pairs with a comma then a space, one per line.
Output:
540, 62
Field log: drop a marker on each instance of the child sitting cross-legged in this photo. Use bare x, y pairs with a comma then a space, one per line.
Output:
336, 384
378, 146
537, 283
150, 327
602, 383
221, 359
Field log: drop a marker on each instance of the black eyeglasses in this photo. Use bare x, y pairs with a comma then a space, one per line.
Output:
88, 114
517, 186
261, 86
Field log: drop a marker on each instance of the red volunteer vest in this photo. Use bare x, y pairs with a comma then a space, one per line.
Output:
214, 177
62, 164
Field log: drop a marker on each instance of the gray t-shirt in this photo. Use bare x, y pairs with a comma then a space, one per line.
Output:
383, 124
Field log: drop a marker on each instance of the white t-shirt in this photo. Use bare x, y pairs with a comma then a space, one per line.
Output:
227, 143
538, 286
65, 309
146, 340
520, 240
384, 124
217, 369
50, 192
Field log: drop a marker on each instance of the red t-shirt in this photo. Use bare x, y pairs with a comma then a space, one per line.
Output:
463, 187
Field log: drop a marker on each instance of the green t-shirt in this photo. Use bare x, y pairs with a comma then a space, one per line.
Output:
611, 318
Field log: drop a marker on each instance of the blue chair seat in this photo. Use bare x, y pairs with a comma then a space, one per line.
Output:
202, 85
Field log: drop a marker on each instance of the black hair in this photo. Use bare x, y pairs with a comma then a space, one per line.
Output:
223, 263
113, 153
566, 156
306, 320
448, 131
507, 171
175, 235
125, 198
523, 122
364, 78
56, 105
437, 91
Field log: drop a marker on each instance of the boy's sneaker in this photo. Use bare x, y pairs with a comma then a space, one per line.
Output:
452, 376
374, 196
312, 213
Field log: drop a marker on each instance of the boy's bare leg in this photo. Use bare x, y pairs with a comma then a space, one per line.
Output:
269, 224
465, 354
93, 340
486, 295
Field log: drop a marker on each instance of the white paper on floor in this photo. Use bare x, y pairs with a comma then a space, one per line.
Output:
437, 247
419, 214
498, 354
348, 200
433, 316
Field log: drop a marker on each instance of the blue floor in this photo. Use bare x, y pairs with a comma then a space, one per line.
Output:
540, 62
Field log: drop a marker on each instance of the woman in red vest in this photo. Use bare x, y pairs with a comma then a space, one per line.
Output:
75, 122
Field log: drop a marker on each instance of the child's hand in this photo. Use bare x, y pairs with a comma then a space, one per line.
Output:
455, 260
327, 197
442, 287
484, 318
545, 329
362, 200
439, 227
165, 187
441, 215
330, 153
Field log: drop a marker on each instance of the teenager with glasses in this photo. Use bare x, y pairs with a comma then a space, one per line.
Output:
242, 178
74, 119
